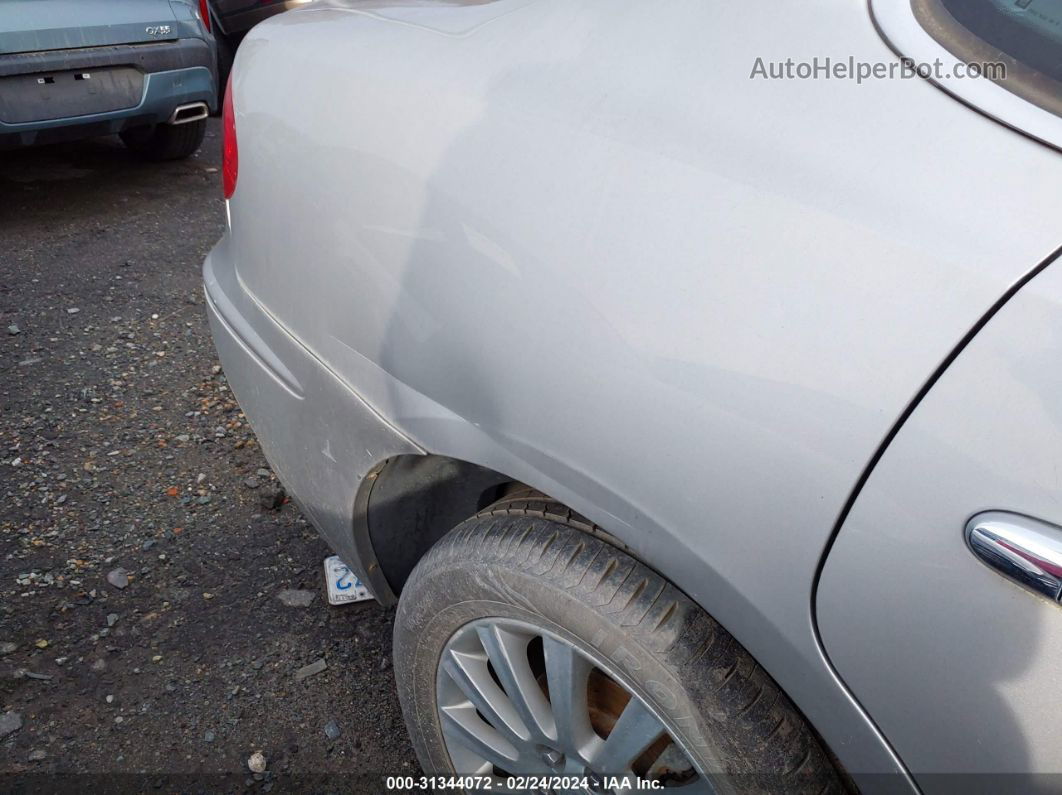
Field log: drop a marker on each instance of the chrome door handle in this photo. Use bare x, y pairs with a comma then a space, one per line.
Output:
1026, 550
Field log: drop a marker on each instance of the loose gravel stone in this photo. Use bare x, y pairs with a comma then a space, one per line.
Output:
332, 730
257, 762
37, 755
310, 670
13, 330
7, 647
295, 598
112, 619
272, 499
10, 722
118, 578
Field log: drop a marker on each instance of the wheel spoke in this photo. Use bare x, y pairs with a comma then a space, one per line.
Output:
461, 725
567, 674
636, 729
508, 654
470, 673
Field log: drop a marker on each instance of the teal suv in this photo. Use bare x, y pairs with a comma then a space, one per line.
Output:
143, 69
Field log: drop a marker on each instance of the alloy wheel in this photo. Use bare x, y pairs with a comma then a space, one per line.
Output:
516, 701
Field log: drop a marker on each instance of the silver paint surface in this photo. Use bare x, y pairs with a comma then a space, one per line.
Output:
959, 666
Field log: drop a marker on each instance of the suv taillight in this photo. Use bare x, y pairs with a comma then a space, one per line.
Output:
230, 158
204, 14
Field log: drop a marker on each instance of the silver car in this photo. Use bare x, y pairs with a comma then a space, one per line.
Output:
690, 374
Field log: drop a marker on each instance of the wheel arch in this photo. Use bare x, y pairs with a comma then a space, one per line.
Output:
406, 503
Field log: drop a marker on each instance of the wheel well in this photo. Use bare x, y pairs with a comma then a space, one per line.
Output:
407, 503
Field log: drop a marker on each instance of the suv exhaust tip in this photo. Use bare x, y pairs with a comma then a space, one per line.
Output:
193, 111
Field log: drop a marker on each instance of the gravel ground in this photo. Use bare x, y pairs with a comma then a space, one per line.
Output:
142, 549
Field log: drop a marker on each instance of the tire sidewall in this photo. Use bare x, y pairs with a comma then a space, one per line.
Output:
453, 595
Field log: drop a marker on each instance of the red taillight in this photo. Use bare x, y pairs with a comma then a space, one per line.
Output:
204, 14
230, 157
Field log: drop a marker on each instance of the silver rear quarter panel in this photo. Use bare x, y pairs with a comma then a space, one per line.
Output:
578, 244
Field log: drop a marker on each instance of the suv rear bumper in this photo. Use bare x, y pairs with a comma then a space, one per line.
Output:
319, 436
174, 73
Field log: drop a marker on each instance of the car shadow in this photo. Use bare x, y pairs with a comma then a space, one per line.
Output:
66, 180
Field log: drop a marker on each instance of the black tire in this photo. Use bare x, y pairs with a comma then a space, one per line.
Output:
531, 560
165, 141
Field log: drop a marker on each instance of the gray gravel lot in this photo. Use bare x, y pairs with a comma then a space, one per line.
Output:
122, 448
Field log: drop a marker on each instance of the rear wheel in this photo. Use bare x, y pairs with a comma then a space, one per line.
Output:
527, 645
165, 141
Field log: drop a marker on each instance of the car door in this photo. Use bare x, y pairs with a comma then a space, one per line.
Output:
958, 657
938, 603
